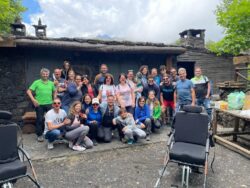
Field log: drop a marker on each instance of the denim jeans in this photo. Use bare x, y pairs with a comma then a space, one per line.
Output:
206, 104
40, 111
52, 135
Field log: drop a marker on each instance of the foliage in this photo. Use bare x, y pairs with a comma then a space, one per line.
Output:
234, 17
9, 10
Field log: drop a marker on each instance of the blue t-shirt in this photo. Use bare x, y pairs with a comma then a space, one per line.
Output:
183, 90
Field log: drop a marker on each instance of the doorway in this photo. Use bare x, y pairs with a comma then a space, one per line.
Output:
189, 66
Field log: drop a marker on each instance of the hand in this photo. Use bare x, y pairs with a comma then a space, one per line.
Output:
56, 82
124, 129
82, 115
35, 103
192, 104
207, 96
66, 121
136, 121
143, 126
133, 104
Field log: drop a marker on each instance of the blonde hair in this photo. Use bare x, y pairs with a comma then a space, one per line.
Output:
72, 107
155, 101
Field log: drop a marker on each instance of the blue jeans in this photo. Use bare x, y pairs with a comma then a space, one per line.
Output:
53, 135
206, 104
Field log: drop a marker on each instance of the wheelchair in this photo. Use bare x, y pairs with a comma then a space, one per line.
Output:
189, 144
13, 158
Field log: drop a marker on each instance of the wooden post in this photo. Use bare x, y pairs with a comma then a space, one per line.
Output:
169, 63
215, 114
236, 128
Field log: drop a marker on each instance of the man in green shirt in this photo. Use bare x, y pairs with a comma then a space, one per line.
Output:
44, 91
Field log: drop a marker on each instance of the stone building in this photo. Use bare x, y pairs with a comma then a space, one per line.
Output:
22, 57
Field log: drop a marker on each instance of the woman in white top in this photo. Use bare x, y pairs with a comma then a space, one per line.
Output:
107, 88
125, 94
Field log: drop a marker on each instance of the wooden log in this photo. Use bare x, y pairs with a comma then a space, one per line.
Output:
230, 133
232, 146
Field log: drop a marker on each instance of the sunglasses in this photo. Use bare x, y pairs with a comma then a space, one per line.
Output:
56, 103
95, 104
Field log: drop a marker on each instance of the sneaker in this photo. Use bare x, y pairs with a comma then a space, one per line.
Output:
95, 142
130, 141
40, 139
148, 138
78, 148
71, 144
124, 140
50, 145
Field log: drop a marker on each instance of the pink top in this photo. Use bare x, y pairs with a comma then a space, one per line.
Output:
125, 93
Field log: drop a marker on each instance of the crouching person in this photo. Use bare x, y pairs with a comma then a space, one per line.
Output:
109, 111
76, 131
126, 125
155, 110
55, 123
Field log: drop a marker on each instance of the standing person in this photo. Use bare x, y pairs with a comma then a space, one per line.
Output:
129, 132
94, 119
143, 74
163, 71
156, 77
125, 94
202, 89
55, 123
44, 90
167, 98
135, 84
73, 92
155, 110
107, 88
59, 82
151, 86
76, 131
99, 79
184, 93
174, 77
88, 88
142, 116
86, 102
109, 111
65, 70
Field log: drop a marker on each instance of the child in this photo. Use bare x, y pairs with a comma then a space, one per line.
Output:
127, 127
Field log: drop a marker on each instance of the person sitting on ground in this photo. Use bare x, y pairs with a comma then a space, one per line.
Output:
151, 86
107, 88
59, 82
99, 79
65, 70
73, 92
184, 93
55, 122
127, 125
167, 99
86, 102
109, 111
156, 77
94, 119
88, 88
202, 90
142, 116
125, 94
155, 111
76, 131
45, 91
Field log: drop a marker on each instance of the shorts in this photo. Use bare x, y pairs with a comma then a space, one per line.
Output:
168, 104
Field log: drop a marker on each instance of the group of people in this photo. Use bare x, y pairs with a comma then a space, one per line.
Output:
86, 113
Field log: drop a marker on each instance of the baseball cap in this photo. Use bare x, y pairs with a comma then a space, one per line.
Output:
95, 101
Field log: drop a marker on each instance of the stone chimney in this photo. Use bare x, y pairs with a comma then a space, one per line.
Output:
40, 29
18, 28
194, 38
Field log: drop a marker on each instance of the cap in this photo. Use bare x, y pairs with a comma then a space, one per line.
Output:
95, 101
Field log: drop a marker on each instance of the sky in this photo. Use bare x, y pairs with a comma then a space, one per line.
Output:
134, 20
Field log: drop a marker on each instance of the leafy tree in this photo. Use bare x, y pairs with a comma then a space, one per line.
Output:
234, 17
9, 10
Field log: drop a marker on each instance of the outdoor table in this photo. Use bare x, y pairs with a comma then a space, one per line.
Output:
218, 135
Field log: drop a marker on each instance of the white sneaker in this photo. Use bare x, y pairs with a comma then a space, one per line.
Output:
40, 139
50, 145
71, 144
78, 148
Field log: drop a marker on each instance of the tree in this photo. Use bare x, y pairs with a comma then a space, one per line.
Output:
234, 17
9, 10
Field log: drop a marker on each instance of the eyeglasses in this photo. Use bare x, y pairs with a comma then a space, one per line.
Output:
150, 80
165, 78
56, 103
95, 104
142, 101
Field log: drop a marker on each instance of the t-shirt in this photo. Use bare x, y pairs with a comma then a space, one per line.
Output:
55, 118
43, 91
106, 91
183, 89
167, 92
200, 86
125, 94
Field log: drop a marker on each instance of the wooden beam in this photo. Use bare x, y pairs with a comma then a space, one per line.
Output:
169, 63
241, 59
232, 146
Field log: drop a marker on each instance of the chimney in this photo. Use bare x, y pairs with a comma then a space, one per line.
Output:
40, 29
194, 38
18, 28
